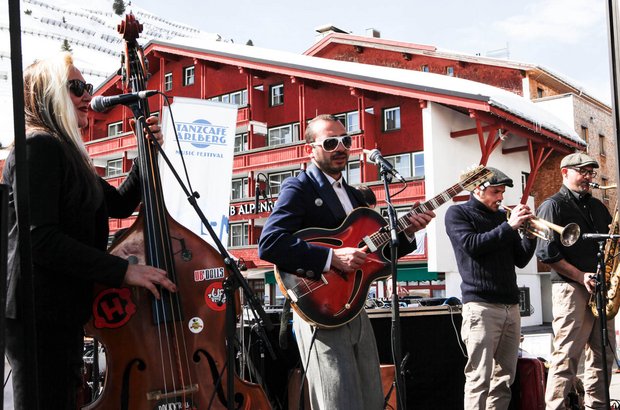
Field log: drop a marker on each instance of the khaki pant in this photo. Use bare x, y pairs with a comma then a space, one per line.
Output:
491, 333
576, 329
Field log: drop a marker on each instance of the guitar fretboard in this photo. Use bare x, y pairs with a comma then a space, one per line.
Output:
382, 237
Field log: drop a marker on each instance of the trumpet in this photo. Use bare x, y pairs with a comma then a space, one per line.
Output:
543, 229
603, 187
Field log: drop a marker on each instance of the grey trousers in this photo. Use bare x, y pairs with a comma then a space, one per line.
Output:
343, 371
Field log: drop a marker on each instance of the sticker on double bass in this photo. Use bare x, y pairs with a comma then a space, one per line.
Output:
214, 297
208, 274
175, 403
196, 325
112, 308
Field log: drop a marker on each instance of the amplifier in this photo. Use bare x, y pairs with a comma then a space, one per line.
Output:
434, 377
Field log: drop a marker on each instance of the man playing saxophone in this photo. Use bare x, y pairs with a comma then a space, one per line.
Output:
572, 275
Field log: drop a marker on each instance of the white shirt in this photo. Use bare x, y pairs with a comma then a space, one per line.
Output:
345, 201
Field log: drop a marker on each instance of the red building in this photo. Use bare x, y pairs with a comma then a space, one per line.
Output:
279, 92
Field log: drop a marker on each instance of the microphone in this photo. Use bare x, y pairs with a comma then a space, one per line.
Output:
376, 158
599, 236
256, 196
101, 103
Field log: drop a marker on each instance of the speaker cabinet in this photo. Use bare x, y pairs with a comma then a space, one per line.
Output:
434, 376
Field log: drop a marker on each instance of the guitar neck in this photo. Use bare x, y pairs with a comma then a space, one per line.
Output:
382, 237
433, 203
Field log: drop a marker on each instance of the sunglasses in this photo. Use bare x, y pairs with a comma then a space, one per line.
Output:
77, 87
330, 144
585, 172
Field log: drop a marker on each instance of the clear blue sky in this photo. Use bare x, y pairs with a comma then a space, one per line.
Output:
568, 37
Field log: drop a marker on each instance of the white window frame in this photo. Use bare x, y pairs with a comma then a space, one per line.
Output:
167, 81
239, 188
350, 121
416, 158
354, 173
450, 71
391, 119
274, 134
353, 122
276, 179
276, 95
401, 163
238, 234
241, 98
241, 142
115, 128
189, 75
114, 167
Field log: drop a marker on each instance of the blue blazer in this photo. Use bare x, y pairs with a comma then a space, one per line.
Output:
306, 201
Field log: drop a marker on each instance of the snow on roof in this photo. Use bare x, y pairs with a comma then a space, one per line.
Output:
408, 79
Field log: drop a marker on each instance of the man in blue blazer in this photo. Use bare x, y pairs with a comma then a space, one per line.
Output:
342, 364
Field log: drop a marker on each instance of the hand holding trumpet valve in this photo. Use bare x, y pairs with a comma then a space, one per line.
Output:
519, 215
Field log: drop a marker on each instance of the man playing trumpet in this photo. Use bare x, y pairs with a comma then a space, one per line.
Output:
487, 246
572, 271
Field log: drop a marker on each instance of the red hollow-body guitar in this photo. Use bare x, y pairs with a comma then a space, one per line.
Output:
337, 297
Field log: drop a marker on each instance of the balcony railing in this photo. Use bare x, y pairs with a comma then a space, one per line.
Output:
243, 114
112, 145
278, 156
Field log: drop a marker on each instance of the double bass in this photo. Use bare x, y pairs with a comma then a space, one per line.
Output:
169, 353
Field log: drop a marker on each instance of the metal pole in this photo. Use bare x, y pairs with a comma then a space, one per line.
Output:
28, 316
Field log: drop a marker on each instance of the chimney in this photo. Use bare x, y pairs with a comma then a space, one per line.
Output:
373, 32
327, 29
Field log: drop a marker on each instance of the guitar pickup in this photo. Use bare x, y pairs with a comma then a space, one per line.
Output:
369, 243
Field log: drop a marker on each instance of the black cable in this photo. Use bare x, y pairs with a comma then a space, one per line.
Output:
7, 378
303, 374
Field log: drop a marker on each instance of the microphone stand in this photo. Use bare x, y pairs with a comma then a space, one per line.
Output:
234, 281
396, 342
601, 308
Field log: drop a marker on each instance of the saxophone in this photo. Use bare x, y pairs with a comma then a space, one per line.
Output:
612, 268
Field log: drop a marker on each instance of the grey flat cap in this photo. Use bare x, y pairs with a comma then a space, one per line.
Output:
499, 178
578, 160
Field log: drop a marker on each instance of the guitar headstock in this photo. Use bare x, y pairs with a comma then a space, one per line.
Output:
475, 177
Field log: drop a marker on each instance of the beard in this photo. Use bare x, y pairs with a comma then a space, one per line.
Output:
328, 164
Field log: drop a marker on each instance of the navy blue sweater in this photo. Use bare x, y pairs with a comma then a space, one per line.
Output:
487, 250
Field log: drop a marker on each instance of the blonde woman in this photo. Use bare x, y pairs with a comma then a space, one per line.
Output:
70, 206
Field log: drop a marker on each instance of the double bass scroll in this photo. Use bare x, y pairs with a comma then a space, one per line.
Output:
171, 352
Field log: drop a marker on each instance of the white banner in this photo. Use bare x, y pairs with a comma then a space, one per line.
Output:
206, 132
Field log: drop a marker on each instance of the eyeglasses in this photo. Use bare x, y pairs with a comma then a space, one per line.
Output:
77, 87
330, 144
585, 172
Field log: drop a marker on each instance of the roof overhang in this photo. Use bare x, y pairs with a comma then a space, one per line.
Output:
360, 81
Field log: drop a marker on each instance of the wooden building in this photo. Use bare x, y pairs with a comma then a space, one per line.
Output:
430, 126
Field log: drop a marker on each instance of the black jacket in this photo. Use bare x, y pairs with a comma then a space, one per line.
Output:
561, 209
69, 237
